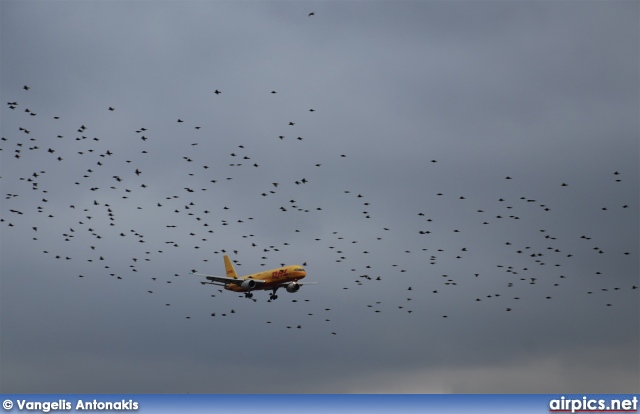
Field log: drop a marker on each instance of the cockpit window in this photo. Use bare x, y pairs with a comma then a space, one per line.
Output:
298, 269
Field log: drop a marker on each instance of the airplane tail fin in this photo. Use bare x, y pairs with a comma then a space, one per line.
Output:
228, 267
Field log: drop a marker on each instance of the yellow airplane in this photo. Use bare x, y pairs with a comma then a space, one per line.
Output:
286, 277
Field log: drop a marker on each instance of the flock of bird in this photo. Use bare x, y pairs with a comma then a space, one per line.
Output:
112, 207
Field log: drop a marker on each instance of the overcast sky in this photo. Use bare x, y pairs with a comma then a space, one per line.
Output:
469, 210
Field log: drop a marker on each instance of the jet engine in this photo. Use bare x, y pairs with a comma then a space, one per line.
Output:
248, 284
293, 287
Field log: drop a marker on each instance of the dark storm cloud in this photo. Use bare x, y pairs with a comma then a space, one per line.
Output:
544, 93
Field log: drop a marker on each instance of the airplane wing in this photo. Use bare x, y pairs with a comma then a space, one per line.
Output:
286, 284
226, 280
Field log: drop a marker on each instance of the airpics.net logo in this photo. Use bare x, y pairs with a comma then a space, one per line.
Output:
592, 405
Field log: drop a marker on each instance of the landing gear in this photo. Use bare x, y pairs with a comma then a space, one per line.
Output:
248, 295
273, 296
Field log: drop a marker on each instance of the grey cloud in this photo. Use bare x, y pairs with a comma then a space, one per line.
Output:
544, 93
